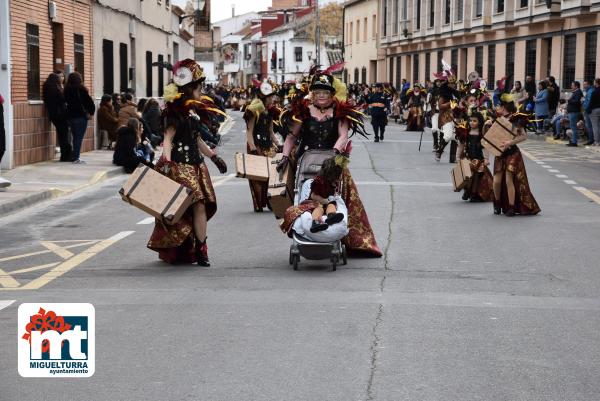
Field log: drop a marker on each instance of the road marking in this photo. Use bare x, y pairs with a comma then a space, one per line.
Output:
73, 262
224, 180
7, 281
59, 250
147, 220
561, 176
570, 182
553, 171
6, 303
589, 194
25, 255
34, 268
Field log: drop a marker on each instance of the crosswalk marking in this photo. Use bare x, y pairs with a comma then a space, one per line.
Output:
6, 303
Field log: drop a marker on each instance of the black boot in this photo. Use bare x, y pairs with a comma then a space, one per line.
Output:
334, 218
435, 141
381, 136
316, 227
440, 150
202, 253
453, 147
497, 207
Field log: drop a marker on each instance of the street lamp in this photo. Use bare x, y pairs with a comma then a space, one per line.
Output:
309, 54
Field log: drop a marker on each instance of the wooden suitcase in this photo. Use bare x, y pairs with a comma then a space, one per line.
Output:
281, 188
498, 133
461, 174
252, 167
156, 194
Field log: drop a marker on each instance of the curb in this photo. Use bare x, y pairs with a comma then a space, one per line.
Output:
26, 202
564, 142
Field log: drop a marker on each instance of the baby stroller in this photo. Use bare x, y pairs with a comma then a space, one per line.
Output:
308, 167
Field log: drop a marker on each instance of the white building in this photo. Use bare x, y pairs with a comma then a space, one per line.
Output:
128, 37
235, 24
290, 52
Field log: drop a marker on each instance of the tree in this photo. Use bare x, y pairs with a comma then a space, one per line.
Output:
330, 21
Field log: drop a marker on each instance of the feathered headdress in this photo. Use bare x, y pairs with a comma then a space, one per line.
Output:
446, 74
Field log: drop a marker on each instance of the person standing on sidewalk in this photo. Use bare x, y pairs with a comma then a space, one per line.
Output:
553, 95
4, 183
541, 107
80, 109
54, 101
574, 110
589, 90
594, 110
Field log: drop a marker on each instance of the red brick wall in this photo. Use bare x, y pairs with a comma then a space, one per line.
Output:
34, 138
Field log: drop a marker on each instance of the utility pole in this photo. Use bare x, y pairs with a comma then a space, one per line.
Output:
317, 36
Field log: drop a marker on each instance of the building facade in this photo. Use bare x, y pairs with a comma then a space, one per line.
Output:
364, 64
516, 38
36, 38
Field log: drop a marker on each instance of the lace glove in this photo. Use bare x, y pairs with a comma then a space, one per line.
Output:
220, 163
283, 163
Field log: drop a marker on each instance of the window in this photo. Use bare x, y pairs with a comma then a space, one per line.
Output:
479, 60
549, 59
569, 61
391, 71
404, 10
491, 72
298, 53
149, 74
524, 3
440, 56
398, 72
590, 56
175, 52
454, 61
364, 75
478, 8
460, 8
108, 67
351, 32
446, 11
124, 67
79, 55
427, 66
395, 18
374, 26
499, 6
530, 53
356, 75
384, 19
415, 68
431, 13
33, 62
161, 76
510, 64
365, 33
418, 11
357, 31
280, 63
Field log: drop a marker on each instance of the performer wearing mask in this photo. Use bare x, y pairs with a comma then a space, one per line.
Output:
260, 137
186, 115
323, 122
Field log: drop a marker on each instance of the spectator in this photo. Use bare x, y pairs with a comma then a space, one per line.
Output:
116, 101
80, 109
560, 118
151, 116
594, 110
4, 183
553, 94
128, 109
107, 120
130, 150
54, 101
519, 94
541, 106
589, 90
141, 104
574, 110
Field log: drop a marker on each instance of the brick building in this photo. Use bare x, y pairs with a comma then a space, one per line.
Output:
493, 37
43, 36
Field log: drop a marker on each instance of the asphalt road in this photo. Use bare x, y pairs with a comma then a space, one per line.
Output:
464, 305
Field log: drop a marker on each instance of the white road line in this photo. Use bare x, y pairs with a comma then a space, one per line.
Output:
5, 304
147, 220
570, 182
561, 176
546, 166
553, 171
540, 162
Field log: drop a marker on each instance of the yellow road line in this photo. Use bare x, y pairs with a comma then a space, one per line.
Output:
589, 194
25, 255
57, 249
73, 262
7, 281
34, 268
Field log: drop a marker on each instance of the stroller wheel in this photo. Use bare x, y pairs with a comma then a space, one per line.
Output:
344, 255
296, 259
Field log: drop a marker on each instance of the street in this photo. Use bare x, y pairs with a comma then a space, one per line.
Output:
464, 305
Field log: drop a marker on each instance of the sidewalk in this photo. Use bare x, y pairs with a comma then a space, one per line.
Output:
37, 182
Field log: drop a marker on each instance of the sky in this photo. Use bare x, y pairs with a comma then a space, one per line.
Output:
221, 9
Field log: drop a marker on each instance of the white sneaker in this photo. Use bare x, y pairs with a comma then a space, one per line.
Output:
79, 161
4, 183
